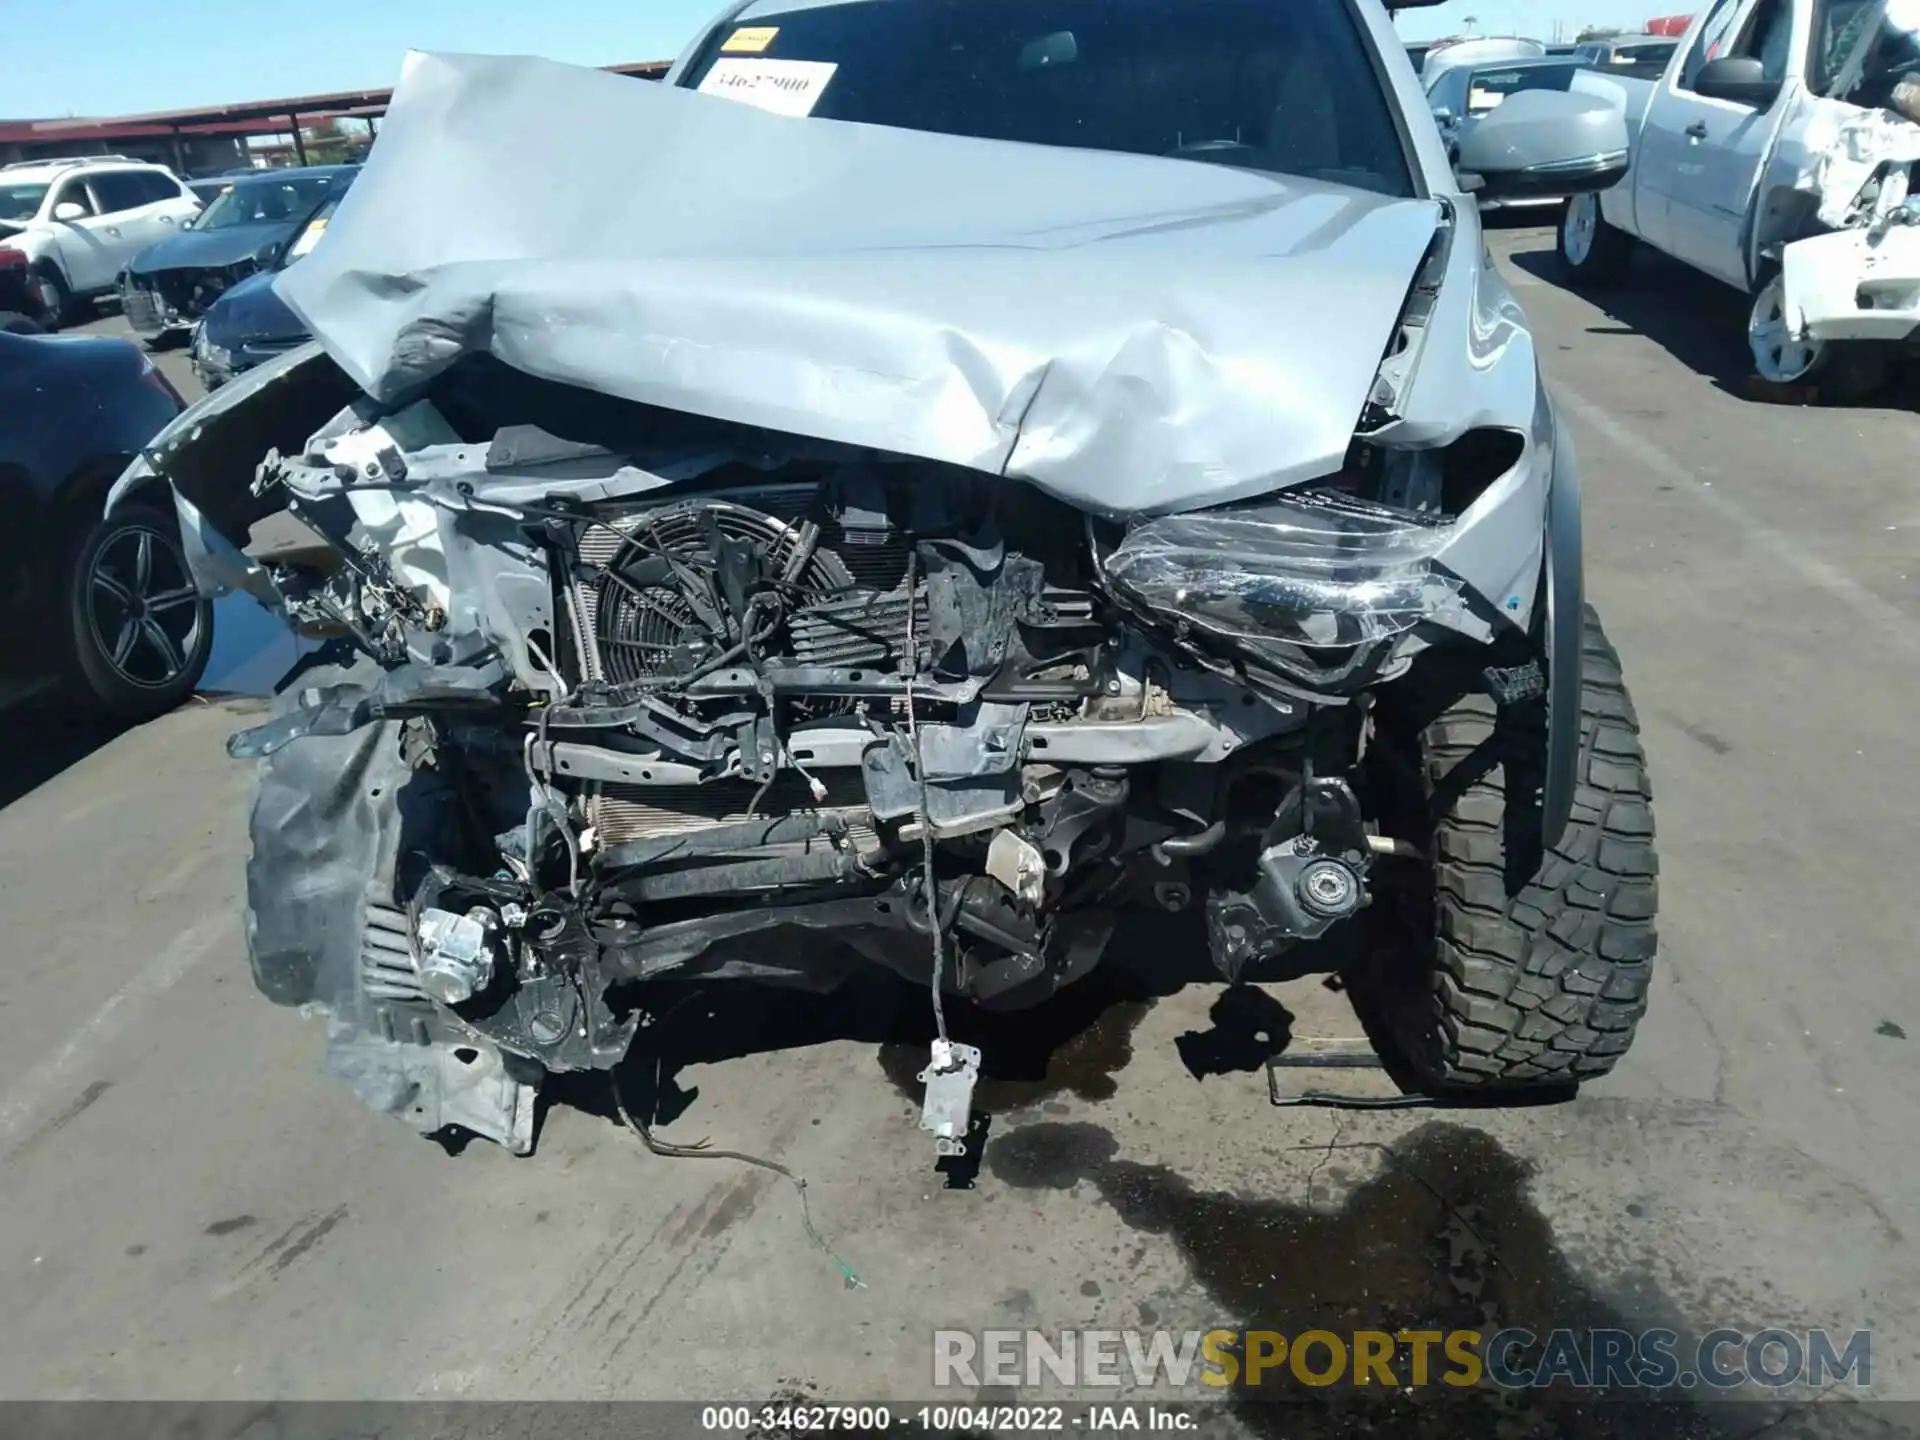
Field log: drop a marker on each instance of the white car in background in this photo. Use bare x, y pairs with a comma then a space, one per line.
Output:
1477, 50
79, 222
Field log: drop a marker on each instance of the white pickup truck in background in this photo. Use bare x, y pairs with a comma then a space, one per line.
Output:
1774, 154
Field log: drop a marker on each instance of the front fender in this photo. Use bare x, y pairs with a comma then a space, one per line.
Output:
1566, 602
210, 452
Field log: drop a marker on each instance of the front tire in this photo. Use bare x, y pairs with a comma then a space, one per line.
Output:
138, 633
1499, 967
1592, 252
56, 300
1847, 371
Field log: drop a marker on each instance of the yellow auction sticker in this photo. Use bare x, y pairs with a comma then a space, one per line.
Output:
751, 39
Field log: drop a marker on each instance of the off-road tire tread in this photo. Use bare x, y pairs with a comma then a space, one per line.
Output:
1546, 985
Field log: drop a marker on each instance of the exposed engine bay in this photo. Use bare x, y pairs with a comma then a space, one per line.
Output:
738, 705
926, 601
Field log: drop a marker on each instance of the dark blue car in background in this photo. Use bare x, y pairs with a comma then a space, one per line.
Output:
246, 228
104, 602
250, 324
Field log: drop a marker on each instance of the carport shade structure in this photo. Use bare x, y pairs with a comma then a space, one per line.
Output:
245, 118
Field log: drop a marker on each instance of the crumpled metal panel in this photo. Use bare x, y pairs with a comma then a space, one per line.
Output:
1129, 333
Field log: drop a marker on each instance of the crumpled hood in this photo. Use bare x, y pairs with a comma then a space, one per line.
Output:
251, 311
1132, 334
209, 249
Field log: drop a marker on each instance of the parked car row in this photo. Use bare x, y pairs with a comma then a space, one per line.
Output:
246, 228
108, 605
76, 231
77, 223
1633, 54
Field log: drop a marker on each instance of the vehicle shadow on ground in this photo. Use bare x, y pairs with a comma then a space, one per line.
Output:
1073, 1045
41, 736
1698, 321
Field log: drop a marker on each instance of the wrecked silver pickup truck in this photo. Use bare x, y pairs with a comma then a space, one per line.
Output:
980, 484
1776, 154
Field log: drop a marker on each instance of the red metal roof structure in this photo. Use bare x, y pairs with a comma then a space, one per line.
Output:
1674, 25
245, 119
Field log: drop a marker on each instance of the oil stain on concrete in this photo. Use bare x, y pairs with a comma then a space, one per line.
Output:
1442, 1236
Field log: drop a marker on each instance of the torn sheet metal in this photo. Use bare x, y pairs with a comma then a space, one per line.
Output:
1862, 280
1127, 332
1865, 143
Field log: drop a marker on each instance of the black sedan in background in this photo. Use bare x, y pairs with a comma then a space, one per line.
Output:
171, 283
250, 324
107, 603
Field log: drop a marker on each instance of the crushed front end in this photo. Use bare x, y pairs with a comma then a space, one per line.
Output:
821, 588
697, 702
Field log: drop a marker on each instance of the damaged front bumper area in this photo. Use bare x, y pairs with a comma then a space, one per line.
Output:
717, 703
1856, 284
1861, 280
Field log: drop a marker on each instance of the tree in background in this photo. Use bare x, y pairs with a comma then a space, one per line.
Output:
328, 144
1597, 32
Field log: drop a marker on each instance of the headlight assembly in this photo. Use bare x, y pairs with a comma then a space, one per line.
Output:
208, 353
1311, 569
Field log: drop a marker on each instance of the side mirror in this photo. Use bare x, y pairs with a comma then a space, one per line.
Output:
67, 211
1442, 116
1739, 78
1546, 143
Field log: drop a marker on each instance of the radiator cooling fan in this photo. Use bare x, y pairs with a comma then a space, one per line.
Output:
660, 602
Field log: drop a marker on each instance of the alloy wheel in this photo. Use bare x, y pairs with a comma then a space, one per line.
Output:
143, 607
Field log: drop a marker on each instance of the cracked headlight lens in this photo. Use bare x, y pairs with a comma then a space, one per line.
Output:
1314, 569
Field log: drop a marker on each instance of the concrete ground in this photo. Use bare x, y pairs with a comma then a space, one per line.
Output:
192, 1210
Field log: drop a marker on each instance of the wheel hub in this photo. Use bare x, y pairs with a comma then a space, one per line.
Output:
1582, 223
1777, 355
143, 608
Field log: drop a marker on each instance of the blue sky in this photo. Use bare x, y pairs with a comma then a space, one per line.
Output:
116, 57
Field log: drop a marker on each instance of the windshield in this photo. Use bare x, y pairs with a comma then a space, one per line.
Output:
263, 202
21, 202
1489, 87
1287, 88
